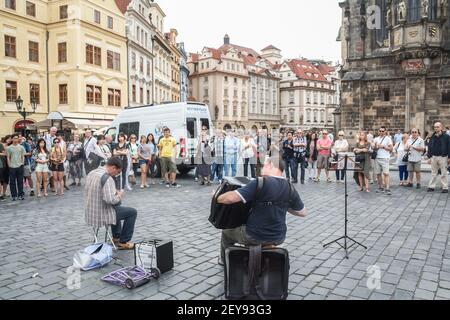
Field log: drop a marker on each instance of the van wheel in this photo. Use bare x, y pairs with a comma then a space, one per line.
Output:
158, 168
184, 171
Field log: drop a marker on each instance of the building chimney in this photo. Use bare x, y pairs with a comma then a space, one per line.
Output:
226, 39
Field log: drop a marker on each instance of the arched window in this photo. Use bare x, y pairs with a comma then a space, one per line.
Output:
381, 33
291, 115
308, 115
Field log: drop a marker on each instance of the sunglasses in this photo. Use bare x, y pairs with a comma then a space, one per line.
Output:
381, 131
414, 132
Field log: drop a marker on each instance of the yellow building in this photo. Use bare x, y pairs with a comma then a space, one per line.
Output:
162, 60
70, 54
175, 87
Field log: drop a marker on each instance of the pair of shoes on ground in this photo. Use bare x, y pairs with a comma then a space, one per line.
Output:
385, 191
173, 185
123, 246
432, 190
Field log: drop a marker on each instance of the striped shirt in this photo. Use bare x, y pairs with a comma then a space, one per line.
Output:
99, 202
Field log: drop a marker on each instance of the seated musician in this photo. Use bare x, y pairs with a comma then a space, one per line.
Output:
267, 222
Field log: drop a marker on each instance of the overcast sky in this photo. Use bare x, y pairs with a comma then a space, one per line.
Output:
305, 28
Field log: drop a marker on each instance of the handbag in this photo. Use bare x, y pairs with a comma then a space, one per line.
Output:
94, 160
406, 156
360, 158
375, 152
92, 257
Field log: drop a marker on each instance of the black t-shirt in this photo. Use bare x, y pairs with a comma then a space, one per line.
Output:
267, 223
288, 153
125, 146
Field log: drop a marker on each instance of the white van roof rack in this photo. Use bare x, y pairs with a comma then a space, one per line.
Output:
197, 103
162, 103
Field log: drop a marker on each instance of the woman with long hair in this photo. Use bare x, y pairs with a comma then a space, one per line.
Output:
362, 152
154, 150
121, 150
312, 159
42, 158
145, 156
57, 158
74, 155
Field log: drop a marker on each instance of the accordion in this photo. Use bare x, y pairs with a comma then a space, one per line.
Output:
233, 215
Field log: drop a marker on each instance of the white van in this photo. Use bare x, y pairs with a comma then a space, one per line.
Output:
184, 119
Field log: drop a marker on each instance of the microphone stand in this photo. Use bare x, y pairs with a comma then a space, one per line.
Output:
345, 237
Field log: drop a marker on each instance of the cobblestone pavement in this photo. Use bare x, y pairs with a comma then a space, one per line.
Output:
407, 236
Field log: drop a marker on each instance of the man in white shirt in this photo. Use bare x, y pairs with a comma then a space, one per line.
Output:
49, 138
89, 146
383, 146
415, 147
231, 149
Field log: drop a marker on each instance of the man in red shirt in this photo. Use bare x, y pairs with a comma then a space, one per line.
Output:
324, 149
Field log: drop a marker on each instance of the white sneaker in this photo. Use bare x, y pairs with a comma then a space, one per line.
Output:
129, 188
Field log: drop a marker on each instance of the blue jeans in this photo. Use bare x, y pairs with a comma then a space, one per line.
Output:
403, 172
302, 169
247, 162
125, 232
216, 170
291, 168
16, 182
230, 161
340, 175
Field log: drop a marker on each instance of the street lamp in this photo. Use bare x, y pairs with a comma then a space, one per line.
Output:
22, 111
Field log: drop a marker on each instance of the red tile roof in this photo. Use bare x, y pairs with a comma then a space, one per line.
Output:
325, 69
216, 54
226, 47
193, 57
271, 47
303, 69
122, 5
249, 60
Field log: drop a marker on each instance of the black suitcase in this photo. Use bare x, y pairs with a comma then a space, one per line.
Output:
256, 274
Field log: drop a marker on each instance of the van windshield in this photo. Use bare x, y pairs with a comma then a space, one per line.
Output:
191, 127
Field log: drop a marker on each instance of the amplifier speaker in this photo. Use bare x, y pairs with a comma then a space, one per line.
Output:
154, 253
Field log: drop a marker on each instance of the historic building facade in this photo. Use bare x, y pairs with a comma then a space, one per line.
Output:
220, 80
184, 73
140, 32
240, 86
175, 54
162, 57
306, 94
396, 65
69, 55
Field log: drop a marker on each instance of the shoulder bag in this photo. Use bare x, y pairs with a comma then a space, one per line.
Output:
375, 152
406, 156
